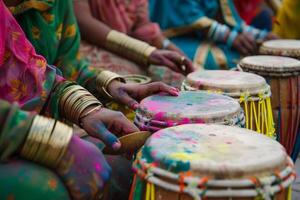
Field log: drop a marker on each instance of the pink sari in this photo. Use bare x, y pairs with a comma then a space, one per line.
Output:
127, 16
22, 71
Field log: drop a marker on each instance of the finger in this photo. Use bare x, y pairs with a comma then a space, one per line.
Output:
124, 98
106, 136
170, 64
189, 66
250, 43
178, 59
127, 126
157, 87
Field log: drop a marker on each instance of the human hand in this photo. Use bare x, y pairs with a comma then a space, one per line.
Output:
131, 94
245, 44
172, 60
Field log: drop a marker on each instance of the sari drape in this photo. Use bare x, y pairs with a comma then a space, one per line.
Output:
183, 21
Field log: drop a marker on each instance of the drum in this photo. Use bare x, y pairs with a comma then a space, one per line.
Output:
130, 79
283, 47
282, 73
209, 161
250, 90
161, 111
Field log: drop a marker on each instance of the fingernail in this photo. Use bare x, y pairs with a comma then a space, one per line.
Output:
175, 93
116, 145
135, 106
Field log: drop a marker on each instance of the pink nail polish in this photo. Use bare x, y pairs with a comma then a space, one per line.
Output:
116, 145
135, 106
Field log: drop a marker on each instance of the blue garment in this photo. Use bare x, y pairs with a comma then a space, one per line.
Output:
181, 14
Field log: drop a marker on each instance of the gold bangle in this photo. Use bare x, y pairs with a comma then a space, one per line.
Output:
134, 49
90, 111
74, 101
57, 144
104, 78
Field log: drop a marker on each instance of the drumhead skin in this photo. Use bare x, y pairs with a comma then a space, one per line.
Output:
215, 150
283, 47
273, 64
189, 107
226, 81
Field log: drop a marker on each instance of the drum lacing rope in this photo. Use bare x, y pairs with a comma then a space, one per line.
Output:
268, 185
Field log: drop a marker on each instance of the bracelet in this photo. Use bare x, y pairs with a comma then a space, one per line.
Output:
132, 48
212, 29
231, 38
104, 78
46, 141
97, 108
165, 43
74, 101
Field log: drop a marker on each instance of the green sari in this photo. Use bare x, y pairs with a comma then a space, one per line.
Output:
51, 27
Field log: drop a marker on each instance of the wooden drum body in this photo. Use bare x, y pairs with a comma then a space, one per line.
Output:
161, 111
250, 90
213, 162
282, 73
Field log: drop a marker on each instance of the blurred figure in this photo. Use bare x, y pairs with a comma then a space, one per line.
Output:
209, 31
255, 13
287, 23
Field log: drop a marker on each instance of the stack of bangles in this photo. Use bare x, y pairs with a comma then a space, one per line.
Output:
47, 141
218, 32
75, 103
131, 48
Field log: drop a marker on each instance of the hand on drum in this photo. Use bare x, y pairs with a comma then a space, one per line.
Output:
172, 60
245, 44
83, 169
130, 94
271, 36
104, 123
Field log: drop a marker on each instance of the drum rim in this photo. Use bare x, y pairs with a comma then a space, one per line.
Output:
234, 90
235, 119
261, 68
143, 111
251, 95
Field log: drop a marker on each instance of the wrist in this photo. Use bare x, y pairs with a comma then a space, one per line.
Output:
47, 141
105, 80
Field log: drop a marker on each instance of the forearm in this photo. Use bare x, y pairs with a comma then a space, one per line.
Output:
91, 29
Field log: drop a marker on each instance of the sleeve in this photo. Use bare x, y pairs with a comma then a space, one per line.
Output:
14, 126
68, 60
144, 29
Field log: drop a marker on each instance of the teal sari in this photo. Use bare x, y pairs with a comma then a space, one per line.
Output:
183, 22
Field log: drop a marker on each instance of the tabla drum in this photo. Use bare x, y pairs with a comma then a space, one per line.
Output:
213, 162
250, 90
282, 73
282, 47
130, 79
161, 111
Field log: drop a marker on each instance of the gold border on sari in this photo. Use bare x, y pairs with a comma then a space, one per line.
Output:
201, 55
219, 57
227, 13
202, 23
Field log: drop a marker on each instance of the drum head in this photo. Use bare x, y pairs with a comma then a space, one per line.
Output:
227, 81
270, 64
189, 107
283, 47
214, 150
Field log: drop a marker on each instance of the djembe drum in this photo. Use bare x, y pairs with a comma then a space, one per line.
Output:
283, 47
161, 111
282, 73
213, 162
251, 91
